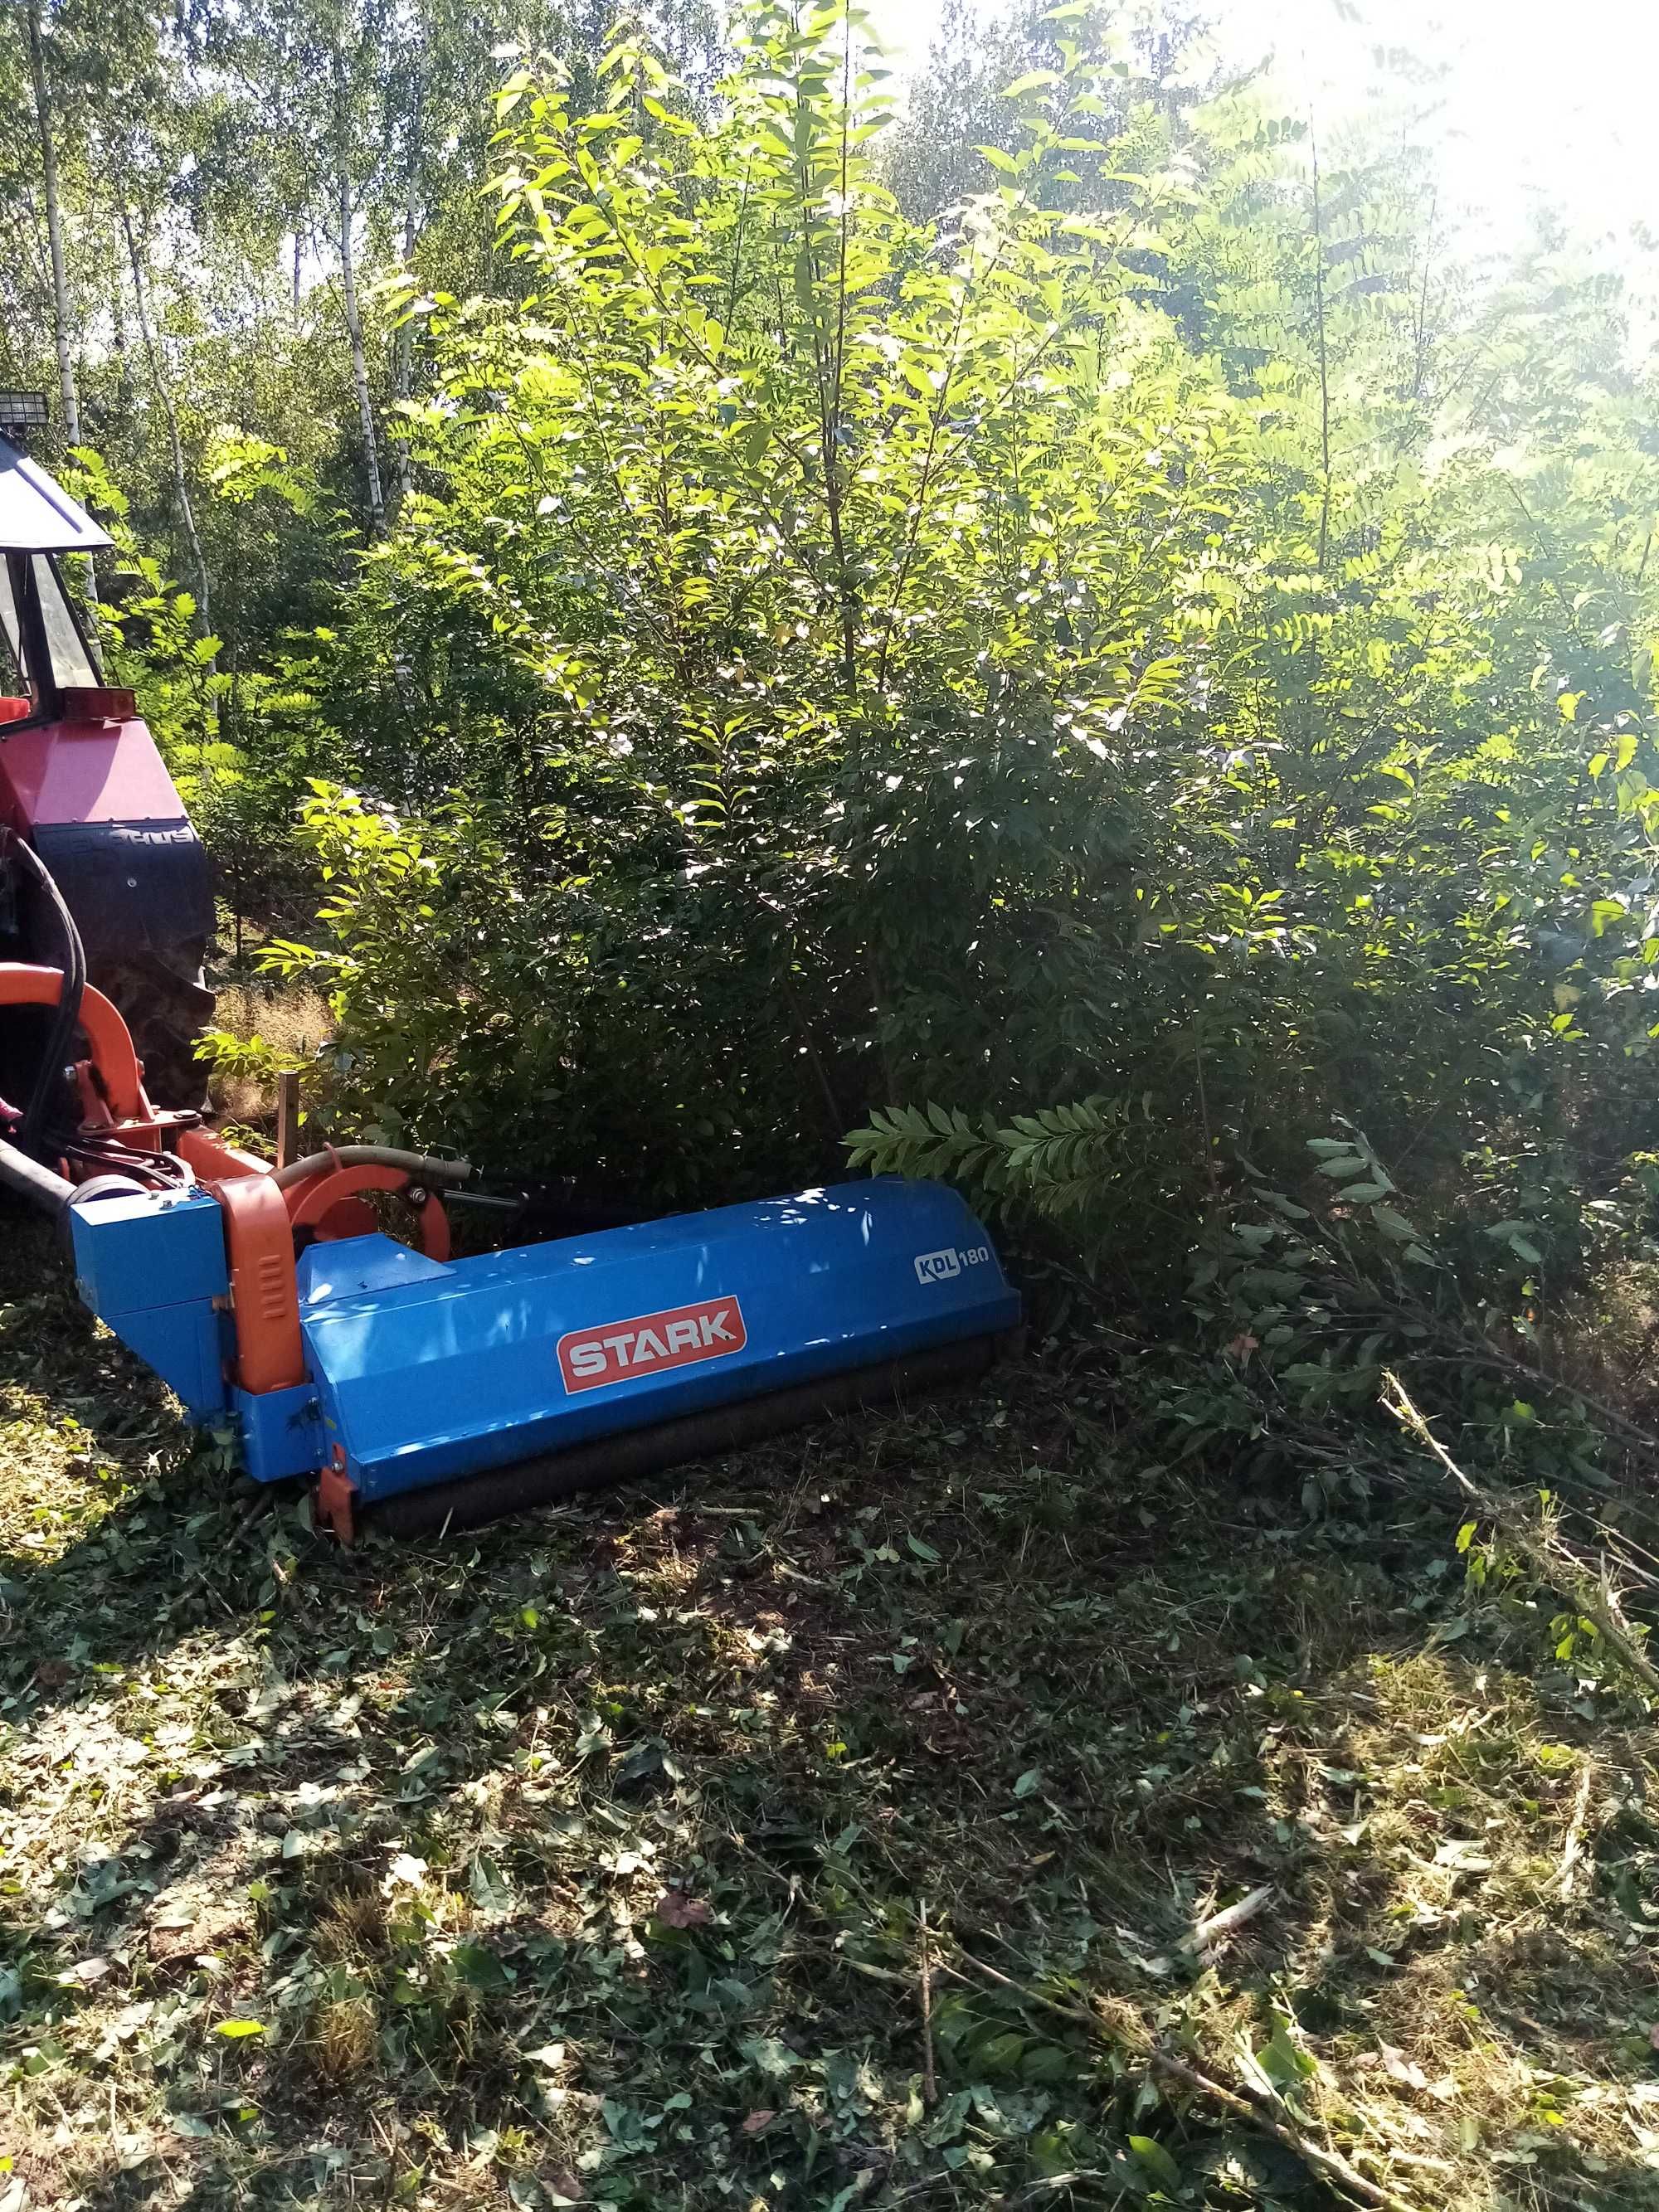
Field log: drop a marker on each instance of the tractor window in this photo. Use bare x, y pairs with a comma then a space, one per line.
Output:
11, 657
72, 664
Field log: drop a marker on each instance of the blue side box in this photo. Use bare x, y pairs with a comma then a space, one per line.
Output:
281, 1431
152, 1264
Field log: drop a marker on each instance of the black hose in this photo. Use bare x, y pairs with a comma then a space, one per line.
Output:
68, 1011
421, 1165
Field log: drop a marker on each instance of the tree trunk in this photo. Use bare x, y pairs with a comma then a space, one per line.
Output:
349, 289
60, 299
403, 366
164, 398
118, 319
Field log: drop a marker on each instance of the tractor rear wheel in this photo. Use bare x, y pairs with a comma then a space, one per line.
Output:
167, 1004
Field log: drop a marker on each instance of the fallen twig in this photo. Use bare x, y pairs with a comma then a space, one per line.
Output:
1218, 1926
1572, 1849
1549, 1558
1073, 2013
874, 1973
1329, 2164
1051, 2181
256, 1508
929, 2075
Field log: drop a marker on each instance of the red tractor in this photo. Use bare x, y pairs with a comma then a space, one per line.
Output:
83, 791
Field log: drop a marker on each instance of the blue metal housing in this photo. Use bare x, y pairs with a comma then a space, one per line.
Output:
281, 1430
428, 1372
421, 1372
153, 1265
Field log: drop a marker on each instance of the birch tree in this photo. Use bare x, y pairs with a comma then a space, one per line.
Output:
345, 201
62, 310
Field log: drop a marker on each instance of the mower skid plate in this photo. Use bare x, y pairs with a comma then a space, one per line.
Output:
433, 1373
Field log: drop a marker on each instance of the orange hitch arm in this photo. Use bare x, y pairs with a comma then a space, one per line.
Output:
113, 1055
311, 1201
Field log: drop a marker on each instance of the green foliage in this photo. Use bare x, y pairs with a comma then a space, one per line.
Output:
1096, 661
471, 1009
1059, 1162
717, 601
238, 742
1087, 690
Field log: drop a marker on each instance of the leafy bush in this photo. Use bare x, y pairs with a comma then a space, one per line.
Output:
1148, 660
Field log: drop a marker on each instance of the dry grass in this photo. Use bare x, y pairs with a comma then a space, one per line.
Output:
353, 1930
343, 2030
289, 1018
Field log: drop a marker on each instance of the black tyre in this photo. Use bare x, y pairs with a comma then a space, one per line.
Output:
165, 1004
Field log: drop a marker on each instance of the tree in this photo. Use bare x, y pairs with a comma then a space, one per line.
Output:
959, 127
340, 76
63, 311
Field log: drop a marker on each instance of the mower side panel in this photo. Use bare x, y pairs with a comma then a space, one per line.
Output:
281, 1431
477, 1364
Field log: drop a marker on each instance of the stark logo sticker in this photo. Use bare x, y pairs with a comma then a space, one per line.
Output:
623, 1351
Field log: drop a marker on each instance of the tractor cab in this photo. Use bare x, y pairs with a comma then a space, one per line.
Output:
81, 782
46, 651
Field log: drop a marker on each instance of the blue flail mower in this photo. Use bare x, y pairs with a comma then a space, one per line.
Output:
437, 1392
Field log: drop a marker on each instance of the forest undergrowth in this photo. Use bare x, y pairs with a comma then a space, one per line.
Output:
885, 1816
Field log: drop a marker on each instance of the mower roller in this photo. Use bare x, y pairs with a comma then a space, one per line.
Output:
406, 1387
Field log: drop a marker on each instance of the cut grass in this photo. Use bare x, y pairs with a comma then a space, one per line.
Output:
585, 1859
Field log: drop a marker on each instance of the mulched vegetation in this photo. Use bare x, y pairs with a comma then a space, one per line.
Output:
836, 1825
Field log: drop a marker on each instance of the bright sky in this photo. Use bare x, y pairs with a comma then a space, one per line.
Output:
1539, 99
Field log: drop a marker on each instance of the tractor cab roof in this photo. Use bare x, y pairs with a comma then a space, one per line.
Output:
36, 515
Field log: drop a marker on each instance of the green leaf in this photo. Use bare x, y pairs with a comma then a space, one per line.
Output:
491, 1891
477, 1965
233, 2030
1000, 2053
770, 2058
1033, 81
1282, 2059
1157, 2160
1394, 1225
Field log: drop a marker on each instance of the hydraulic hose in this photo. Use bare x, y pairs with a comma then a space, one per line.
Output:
421, 1165
41, 1186
68, 1011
